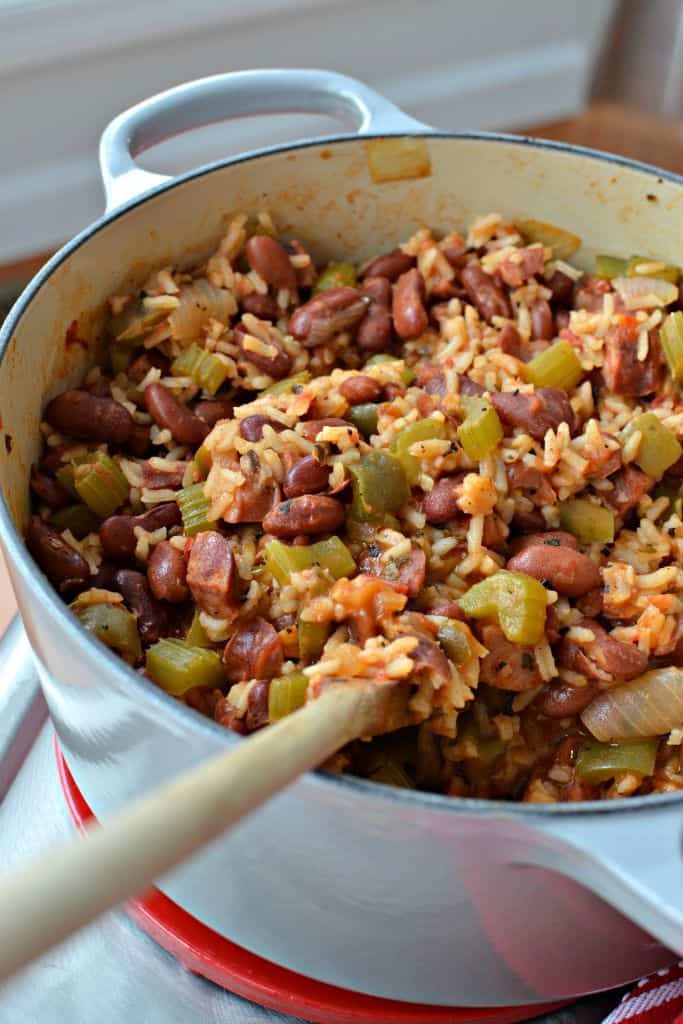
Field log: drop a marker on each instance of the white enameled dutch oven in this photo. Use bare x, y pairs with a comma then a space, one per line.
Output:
394, 893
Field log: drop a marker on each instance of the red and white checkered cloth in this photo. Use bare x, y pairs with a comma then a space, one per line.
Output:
655, 1000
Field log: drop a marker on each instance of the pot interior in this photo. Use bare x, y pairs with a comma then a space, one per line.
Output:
323, 194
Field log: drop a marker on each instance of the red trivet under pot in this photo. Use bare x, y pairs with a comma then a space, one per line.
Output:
209, 954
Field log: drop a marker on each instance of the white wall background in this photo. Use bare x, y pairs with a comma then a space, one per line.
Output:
68, 66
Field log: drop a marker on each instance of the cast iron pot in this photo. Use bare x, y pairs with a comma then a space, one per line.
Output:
399, 894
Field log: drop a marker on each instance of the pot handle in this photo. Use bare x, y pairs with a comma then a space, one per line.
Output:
239, 94
633, 859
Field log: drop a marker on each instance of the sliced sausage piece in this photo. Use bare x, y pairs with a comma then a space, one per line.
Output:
507, 666
407, 576
537, 413
624, 373
212, 575
630, 484
521, 265
254, 651
564, 569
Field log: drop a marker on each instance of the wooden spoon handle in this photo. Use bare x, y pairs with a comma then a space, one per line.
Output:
44, 903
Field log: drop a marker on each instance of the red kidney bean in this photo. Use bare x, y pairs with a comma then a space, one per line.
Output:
140, 441
254, 651
166, 573
537, 413
167, 412
391, 265
100, 387
152, 618
507, 666
485, 294
555, 538
307, 476
311, 428
564, 569
604, 658
562, 288
591, 603
308, 514
563, 701
542, 325
269, 259
306, 276
251, 427
58, 560
376, 329
528, 522
88, 418
262, 306
48, 490
409, 311
277, 363
117, 533
510, 341
148, 360
257, 706
211, 410
360, 389
454, 248
212, 574
527, 263
158, 479
441, 503
327, 314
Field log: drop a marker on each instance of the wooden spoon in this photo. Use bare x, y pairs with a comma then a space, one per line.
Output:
40, 905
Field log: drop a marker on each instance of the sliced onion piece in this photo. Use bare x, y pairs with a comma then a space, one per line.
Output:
200, 301
645, 292
650, 705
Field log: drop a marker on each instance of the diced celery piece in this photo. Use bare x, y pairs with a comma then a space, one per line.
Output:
194, 508
671, 335
558, 366
196, 634
207, 370
288, 385
481, 432
379, 485
101, 484
391, 773
364, 418
119, 358
203, 461
516, 600
648, 266
186, 362
454, 641
335, 275
286, 694
177, 667
610, 266
599, 762
134, 322
332, 554
659, 447
421, 430
407, 373
114, 625
312, 637
78, 518
590, 523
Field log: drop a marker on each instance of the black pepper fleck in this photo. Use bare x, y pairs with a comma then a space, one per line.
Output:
527, 661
